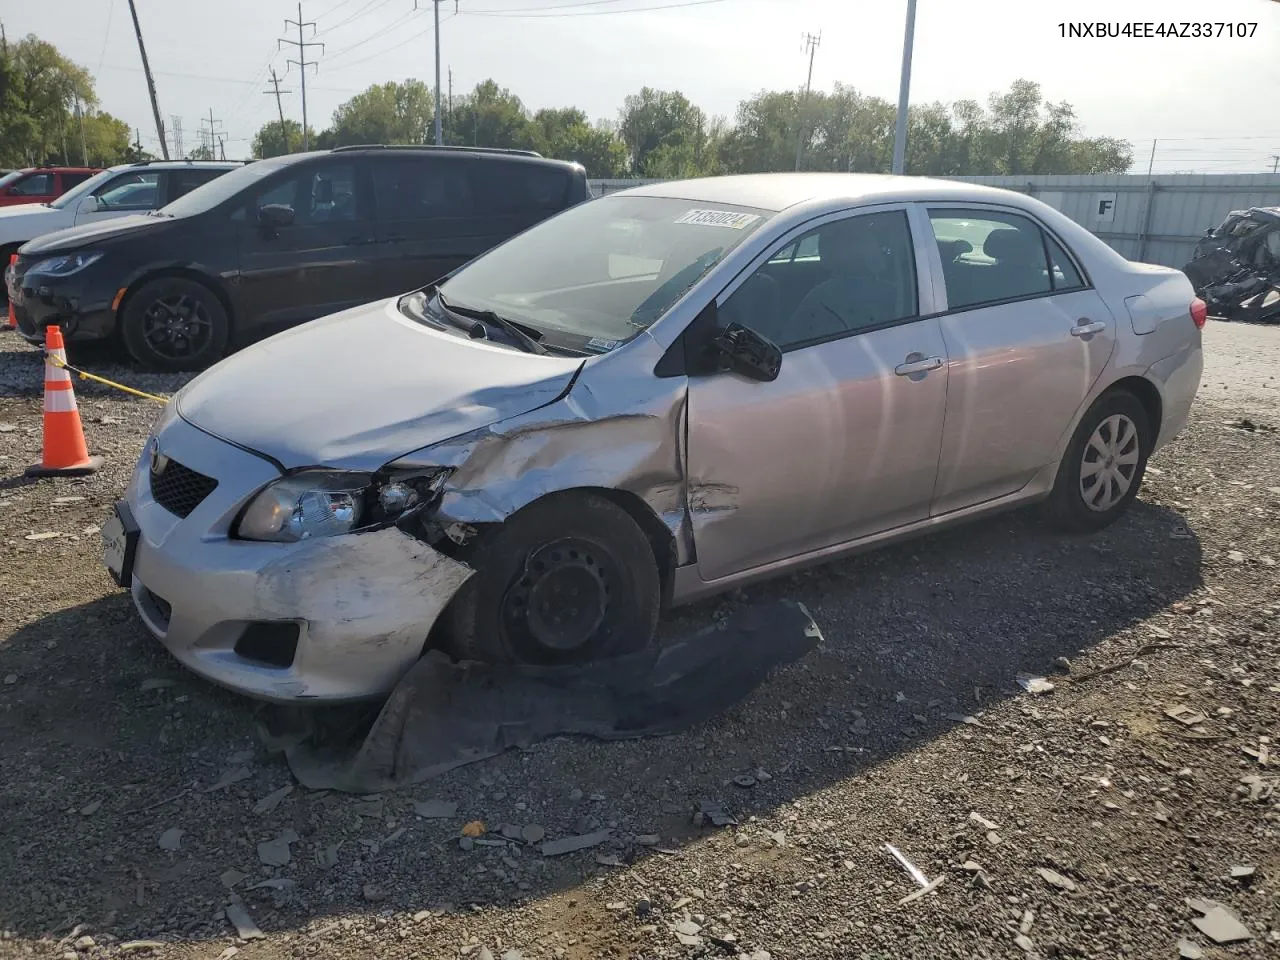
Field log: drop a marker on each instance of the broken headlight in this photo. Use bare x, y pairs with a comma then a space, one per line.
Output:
325, 503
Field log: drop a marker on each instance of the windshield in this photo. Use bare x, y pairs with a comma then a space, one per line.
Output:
222, 188
84, 189
604, 270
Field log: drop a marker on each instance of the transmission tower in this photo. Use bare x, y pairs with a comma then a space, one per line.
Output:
302, 63
176, 122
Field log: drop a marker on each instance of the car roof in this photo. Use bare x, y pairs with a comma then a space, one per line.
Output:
178, 164
429, 149
778, 191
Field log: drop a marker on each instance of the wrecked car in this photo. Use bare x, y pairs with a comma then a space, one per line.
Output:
1236, 266
665, 393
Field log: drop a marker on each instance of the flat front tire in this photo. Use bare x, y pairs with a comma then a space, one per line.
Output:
569, 579
1103, 466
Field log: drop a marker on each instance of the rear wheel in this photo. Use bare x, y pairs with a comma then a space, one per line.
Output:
1103, 466
569, 579
174, 324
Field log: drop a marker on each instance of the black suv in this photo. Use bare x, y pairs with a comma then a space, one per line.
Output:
279, 242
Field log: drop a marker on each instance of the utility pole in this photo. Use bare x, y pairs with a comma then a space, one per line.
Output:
84, 149
4, 42
222, 149
302, 63
436, 5
811, 45
1275, 162
177, 136
275, 83
904, 92
1151, 164
151, 84
451, 92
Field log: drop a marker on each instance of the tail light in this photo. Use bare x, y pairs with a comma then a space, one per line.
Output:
1199, 312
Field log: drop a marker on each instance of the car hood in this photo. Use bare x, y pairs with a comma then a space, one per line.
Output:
24, 210
87, 234
365, 386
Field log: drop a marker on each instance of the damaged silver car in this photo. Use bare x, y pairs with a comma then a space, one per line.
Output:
644, 400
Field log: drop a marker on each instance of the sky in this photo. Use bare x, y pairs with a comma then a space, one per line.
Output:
1201, 100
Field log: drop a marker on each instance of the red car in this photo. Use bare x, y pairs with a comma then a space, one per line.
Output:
41, 184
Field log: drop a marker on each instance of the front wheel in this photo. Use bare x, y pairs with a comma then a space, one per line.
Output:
1103, 466
568, 579
173, 324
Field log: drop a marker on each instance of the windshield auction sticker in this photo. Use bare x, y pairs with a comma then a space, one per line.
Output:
719, 218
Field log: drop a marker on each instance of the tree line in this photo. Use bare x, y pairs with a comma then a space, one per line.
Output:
661, 134
49, 113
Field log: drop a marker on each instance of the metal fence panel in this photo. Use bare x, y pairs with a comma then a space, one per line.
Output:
1155, 219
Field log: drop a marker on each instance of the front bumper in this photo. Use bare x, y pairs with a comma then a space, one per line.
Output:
79, 304
362, 604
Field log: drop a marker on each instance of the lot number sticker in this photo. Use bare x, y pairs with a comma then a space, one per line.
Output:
719, 218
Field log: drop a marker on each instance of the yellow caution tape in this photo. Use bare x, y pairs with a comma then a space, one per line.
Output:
58, 362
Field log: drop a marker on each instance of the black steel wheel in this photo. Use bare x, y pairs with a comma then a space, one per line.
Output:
570, 579
174, 324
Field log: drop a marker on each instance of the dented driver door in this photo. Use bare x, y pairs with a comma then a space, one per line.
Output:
845, 442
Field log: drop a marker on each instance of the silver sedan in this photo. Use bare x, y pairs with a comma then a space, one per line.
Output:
652, 397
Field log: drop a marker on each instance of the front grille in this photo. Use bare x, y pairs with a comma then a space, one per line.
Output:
178, 488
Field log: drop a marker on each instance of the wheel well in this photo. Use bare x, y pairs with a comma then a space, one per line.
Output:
1147, 395
661, 541
195, 276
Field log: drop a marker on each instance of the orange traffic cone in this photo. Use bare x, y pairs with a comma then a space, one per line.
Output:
13, 317
65, 453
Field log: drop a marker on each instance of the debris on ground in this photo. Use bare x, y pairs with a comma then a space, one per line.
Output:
246, 929
1218, 922
1055, 879
1033, 683
272, 800
445, 713
171, 839
276, 853
556, 848
916, 873
435, 809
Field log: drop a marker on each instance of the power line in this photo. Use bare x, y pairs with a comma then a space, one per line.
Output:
303, 63
367, 8
106, 34
572, 9
329, 58
397, 46
566, 12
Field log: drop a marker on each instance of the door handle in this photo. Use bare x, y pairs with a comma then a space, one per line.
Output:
1084, 327
916, 363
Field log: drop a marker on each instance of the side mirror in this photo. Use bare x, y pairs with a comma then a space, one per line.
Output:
742, 350
90, 204
275, 215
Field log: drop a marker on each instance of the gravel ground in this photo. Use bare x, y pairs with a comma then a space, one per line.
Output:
135, 801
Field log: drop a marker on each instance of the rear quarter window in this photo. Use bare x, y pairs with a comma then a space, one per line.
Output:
505, 188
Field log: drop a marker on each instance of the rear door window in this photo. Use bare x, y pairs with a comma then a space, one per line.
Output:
132, 191
36, 185
423, 188
990, 257
182, 182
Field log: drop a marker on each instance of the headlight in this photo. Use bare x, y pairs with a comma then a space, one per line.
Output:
325, 503
65, 265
